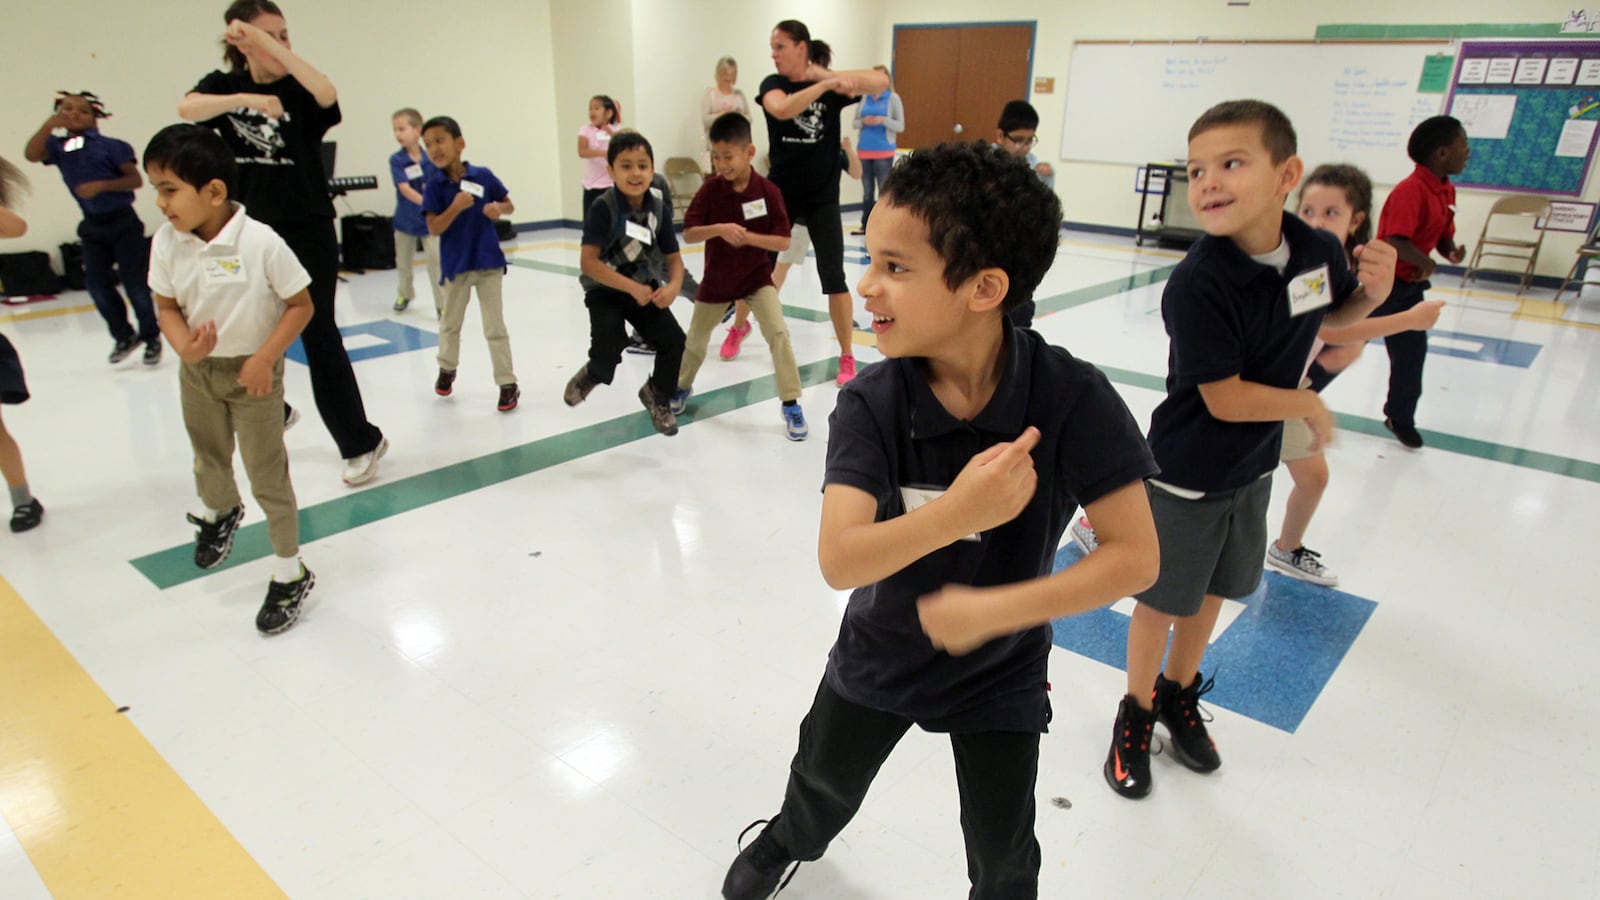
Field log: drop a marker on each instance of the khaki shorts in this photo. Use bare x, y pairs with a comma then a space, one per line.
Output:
1297, 437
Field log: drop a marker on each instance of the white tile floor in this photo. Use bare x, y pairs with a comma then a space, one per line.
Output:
583, 682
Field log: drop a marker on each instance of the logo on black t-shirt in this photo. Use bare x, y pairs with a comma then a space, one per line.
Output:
811, 122
261, 135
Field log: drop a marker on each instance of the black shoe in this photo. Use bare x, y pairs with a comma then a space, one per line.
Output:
508, 398
858, 231
1127, 767
1178, 708
636, 344
1406, 434
728, 313
660, 410
444, 384
578, 387
282, 606
152, 352
291, 417
214, 540
27, 516
123, 349
758, 871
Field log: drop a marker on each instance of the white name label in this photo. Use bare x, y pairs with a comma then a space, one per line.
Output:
223, 270
918, 497
473, 188
638, 232
1309, 291
413, 172
75, 142
755, 209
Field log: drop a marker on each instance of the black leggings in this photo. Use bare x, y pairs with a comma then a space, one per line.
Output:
827, 241
333, 382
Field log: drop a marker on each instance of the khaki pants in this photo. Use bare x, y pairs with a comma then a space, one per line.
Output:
405, 263
216, 409
769, 315
457, 292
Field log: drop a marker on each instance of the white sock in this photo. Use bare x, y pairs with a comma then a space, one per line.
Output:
211, 515
285, 569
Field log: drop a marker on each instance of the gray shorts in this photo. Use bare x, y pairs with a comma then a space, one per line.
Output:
1213, 545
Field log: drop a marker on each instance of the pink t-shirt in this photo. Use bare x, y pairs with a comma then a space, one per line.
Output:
595, 173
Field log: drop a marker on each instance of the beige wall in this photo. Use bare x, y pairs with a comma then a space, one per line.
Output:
1102, 194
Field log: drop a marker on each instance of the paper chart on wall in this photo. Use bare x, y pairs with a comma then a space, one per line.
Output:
1576, 135
1486, 116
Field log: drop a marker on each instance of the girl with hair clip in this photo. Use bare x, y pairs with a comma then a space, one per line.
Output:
605, 120
26, 510
272, 108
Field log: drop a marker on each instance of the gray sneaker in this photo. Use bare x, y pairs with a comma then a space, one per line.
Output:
660, 411
1083, 535
1304, 564
579, 387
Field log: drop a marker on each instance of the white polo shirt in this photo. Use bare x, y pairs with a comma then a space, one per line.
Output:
239, 280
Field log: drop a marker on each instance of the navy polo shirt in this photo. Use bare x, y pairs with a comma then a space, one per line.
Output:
408, 217
632, 258
888, 432
1227, 315
470, 243
91, 156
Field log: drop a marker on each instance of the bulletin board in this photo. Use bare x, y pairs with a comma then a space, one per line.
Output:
1532, 113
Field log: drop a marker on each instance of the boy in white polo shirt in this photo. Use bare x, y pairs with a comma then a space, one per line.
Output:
231, 298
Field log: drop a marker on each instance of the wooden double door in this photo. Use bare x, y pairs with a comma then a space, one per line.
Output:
955, 79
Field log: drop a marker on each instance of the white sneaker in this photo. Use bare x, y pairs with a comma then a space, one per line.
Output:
1304, 564
362, 469
1083, 535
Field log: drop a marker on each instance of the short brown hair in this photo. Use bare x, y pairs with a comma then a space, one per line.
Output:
1276, 132
410, 115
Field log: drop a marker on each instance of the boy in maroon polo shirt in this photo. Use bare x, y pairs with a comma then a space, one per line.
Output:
1418, 218
741, 217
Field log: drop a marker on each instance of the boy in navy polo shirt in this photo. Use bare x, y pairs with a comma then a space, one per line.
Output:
631, 272
461, 202
410, 169
953, 468
102, 173
1418, 218
741, 217
1242, 311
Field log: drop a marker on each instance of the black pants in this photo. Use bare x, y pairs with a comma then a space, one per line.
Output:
842, 745
827, 241
590, 195
608, 310
333, 382
118, 239
1408, 350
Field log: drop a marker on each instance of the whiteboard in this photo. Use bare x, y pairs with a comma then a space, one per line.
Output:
1349, 102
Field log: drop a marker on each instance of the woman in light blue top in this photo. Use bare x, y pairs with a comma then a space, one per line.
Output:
880, 118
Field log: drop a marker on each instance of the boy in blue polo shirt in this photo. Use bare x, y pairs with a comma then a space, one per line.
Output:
953, 468
410, 169
102, 173
461, 203
1242, 311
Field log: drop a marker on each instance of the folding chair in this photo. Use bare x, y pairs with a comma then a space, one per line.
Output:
1588, 253
1519, 242
684, 177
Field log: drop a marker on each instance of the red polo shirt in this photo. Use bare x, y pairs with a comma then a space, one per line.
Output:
1421, 209
734, 273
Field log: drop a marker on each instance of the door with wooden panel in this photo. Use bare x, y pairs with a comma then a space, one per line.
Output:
958, 75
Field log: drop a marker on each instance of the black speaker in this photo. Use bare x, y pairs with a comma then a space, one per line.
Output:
366, 242
504, 230
24, 274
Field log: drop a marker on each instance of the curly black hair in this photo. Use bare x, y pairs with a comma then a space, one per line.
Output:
1430, 135
984, 208
194, 153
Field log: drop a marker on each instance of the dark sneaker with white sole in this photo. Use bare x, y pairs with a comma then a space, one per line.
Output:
282, 606
213, 541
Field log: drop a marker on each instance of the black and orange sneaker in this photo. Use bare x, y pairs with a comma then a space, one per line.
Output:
1127, 766
509, 395
445, 383
759, 871
1178, 708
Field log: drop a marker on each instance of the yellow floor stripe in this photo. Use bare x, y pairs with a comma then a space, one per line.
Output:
45, 313
95, 807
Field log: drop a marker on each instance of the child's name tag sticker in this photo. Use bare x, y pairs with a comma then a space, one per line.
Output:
473, 188
915, 497
656, 193
413, 172
755, 209
638, 232
1309, 291
75, 142
223, 270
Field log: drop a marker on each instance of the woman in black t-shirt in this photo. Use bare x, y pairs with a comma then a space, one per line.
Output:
272, 108
802, 104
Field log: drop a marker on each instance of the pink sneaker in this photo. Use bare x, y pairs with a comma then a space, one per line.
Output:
847, 370
736, 336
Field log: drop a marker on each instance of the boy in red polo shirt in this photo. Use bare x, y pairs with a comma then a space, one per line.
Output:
1419, 218
742, 219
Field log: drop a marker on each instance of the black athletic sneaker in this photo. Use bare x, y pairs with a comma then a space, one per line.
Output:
27, 516
445, 383
214, 540
282, 606
758, 871
636, 344
509, 395
1406, 434
123, 349
1127, 767
1178, 708
152, 352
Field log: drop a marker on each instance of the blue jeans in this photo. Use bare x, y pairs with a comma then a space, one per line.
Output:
874, 172
118, 239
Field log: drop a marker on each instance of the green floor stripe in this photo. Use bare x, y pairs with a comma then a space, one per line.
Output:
175, 565
793, 312
1103, 290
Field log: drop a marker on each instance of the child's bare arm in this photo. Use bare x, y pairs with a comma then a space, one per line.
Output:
129, 180
590, 264
1236, 400
191, 345
198, 107
776, 243
439, 223
11, 224
664, 295
1375, 262
1418, 318
410, 193
34, 151
959, 619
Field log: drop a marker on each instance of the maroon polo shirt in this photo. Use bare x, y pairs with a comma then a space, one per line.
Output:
734, 273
